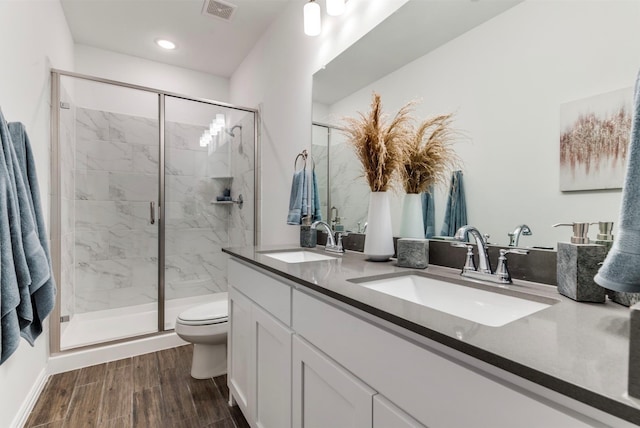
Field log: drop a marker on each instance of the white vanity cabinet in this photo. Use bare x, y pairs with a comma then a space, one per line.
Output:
271, 375
433, 388
298, 358
325, 394
239, 348
259, 347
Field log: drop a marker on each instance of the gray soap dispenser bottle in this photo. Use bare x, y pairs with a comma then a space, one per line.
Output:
577, 264
308, 236
605, 237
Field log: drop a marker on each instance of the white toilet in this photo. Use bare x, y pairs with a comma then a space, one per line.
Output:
206, 327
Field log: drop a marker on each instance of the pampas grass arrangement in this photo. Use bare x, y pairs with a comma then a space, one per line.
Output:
378, 143
389, 150
429, 156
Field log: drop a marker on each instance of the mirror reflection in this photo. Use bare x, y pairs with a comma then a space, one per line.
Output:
504, 68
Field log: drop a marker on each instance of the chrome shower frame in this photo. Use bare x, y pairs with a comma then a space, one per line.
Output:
56, 206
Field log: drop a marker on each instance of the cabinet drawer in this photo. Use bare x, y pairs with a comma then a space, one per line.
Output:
269, 293
428, 386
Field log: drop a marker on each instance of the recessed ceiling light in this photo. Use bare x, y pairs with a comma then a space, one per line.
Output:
165, 44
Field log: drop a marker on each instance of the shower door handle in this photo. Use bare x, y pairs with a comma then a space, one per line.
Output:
152, 212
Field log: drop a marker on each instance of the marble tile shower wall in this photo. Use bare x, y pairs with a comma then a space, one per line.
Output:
321, 158
116, 178
242, 163
348, 185
196, 229
67, 196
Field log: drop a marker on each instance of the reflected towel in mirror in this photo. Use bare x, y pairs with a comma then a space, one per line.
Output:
456, 212
428, 213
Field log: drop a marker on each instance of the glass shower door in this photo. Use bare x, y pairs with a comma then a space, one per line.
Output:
147, 189
109, 150
209, 170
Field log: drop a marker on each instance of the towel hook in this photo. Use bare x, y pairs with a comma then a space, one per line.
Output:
304, 155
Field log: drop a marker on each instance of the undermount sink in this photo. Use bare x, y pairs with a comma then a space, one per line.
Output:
490, 308
298, 256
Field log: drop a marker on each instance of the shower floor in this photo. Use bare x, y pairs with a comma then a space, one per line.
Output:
121, 323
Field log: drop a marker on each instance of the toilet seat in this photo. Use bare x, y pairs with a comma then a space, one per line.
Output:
209, 313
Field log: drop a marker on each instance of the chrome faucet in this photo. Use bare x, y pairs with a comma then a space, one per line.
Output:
483, 271
335, 217
483, 255
331, 245
514, 237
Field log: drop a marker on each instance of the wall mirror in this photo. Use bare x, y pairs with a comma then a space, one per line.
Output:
504, 68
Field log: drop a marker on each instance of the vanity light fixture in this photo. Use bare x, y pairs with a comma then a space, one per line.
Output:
312, 22
312, 14
335, 7
166, 44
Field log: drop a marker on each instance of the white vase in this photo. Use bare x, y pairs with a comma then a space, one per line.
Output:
378, 244
412, 220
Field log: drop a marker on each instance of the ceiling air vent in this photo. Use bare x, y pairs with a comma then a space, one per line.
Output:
219, 9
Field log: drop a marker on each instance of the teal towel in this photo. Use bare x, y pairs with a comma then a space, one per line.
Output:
316, 209
14, 270
299, 198
456, 212
429, 213
43, 286
621, 268
37, 262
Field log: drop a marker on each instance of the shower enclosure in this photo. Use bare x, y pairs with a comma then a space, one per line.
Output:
147, 188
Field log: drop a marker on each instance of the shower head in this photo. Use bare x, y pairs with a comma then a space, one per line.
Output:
230, 131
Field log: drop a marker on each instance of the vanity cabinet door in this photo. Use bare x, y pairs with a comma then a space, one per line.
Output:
325, 394
239, 349
387, 415
271, 376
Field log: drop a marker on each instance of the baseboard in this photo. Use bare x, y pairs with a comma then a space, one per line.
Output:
27, 406
72, 360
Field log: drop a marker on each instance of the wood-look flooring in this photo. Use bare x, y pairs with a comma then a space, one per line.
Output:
153, 390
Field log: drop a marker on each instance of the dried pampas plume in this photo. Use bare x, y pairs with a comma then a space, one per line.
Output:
429, 156
379, 145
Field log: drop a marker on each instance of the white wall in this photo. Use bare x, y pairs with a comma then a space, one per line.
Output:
34, 38
129, 69
276, 76
137, 71
506, 80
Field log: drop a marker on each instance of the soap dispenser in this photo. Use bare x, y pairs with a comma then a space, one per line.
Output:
577, 264
605, 237
308, 236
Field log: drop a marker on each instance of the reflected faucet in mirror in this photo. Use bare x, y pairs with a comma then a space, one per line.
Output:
335, 218
514, 237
